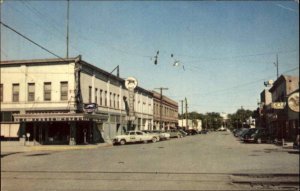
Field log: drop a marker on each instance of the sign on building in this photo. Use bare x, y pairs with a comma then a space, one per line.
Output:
90, 107
131, 83
278, 105
293, 102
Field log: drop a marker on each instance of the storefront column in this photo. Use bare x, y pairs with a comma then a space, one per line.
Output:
72, 140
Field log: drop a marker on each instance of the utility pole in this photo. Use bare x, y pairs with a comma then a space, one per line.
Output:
186, 114
160, 113
68, 28
181, 113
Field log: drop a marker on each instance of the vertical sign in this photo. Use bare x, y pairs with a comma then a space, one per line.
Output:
130, 84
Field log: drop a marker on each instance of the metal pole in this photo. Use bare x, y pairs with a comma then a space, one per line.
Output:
68, 28
186, 114
181, 113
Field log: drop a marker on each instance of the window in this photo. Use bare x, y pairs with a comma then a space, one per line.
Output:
105, 97
96, 93
31, 91
16, 92
47, 91
90, 94
63, 90
114, 100
1, 92
118, 101
139, 133
101, 97
110, 99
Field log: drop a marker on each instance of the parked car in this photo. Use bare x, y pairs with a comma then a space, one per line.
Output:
203, 131
162, 135
191, 132
134, 136
240, 131
175, 133
183, 132
247, 134
259, 136
154, 134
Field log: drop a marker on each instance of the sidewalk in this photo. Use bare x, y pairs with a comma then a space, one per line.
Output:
15, 147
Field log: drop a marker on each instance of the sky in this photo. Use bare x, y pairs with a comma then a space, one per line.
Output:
225, 49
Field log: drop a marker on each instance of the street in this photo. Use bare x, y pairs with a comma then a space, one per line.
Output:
215, 161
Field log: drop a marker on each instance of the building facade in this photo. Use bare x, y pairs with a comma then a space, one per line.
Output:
282, 122
165, 112
67, 101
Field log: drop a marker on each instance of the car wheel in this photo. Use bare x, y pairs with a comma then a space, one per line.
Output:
258, 140
122, 142
154, 139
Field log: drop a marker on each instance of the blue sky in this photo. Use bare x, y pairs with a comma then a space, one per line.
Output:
226, 47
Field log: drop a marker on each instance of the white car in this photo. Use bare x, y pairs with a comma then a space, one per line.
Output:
163, 135
134, 136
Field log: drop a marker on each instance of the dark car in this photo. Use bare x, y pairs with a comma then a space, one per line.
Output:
259, 136
239, 132
203, 131
191, 132
247, 134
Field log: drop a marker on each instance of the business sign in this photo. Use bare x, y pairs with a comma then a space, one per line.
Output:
293, 102
90, 107
131, 83
278, 105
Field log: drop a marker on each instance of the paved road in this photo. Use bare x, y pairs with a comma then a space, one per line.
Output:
202, 162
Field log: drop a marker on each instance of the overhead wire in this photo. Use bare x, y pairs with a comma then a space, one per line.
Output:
25, 37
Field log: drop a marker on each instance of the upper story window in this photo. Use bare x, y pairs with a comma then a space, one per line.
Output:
118, 101
96, 93
90, 94
114, 100
110, 99
47, 91
31, 91
105, 97
1, 92
63, 91
101, 101
16, 92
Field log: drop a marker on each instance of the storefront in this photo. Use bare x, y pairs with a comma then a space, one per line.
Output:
61, 128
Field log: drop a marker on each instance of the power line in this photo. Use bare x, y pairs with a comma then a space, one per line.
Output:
31, 41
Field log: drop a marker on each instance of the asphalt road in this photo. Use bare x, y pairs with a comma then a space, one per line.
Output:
215, 161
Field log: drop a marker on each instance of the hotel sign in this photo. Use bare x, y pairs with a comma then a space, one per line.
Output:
278, 105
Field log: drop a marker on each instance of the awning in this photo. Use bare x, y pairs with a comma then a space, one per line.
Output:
45, 117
